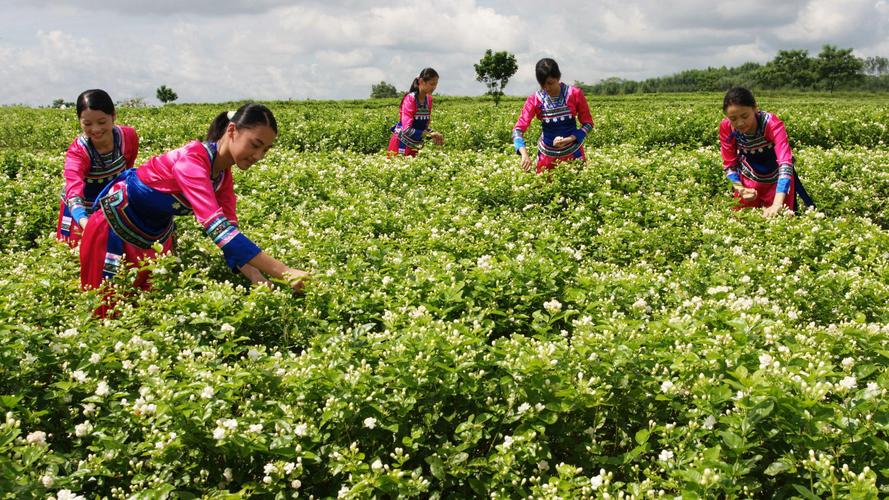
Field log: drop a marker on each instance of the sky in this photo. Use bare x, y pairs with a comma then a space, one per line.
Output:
222, 50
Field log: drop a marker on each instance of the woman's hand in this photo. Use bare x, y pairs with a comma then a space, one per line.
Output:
561, 142
437, 138
746, 193
82, 222
526, 159
296, 279
773, 210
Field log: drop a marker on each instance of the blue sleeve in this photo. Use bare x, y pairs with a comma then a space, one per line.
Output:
733, 176
518, 139
783, 186
237, 248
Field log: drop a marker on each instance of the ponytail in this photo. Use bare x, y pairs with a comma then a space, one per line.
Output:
249, 115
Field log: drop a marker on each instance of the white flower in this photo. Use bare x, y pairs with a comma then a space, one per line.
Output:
848, 383
102, 388
226, 328
507, 441
295, 484
641, 304
370, 422
597, 480
300, 429
873, 390
765, 360
36, 437
709, 422
553, 306
207, 392
47, 481
83, 429
848, 363
269, 468
230, 424
227, 474
665, 456
524, 407
218, 433
288, 467
387, 280
667, 386
95, 358
80, 376
71, 332
253, 354
68, 495
543, 465
484, 263
267, 480
377, 465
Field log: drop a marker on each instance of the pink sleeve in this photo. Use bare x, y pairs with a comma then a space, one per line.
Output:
727, 145
430, 112
192, 173
777, 134
227, 198
77, 166
581, 107
130, 145
529, 111
408, 109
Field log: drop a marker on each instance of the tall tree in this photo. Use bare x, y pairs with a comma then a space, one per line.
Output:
382, 90
165, 94
837, 67
494, 70
789, 69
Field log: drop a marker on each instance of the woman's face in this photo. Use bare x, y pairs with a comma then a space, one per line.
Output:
552, 86
97, 125
249, 145
427, 87
743, 118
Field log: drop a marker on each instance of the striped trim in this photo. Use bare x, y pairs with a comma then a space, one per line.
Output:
113, 205
221, 230
556, 152
748, 172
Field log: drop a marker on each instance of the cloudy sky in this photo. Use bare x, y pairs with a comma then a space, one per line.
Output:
215, 50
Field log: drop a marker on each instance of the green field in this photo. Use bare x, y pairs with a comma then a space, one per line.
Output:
471, 329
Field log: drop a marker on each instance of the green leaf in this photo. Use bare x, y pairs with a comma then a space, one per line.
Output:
642, 436
436, 467
778, 467
806, 492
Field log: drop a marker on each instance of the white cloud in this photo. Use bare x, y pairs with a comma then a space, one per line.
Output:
224, 50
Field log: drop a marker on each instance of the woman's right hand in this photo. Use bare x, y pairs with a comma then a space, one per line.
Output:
296, 278
82, 222
526, 160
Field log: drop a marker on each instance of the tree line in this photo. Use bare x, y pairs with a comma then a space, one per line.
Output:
832, 69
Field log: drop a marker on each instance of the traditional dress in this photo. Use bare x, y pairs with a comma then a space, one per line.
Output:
87, 173
407, 134
136, 212
558, 116
762, 161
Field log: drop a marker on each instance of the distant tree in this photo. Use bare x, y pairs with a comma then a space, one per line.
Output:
382, 90
494, 70
165, 94
789, 69
61, 104
837, 68
876, 65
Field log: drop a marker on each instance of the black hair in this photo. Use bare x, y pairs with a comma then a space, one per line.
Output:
249, 115
425, 74
547, 68
738, 96
96, 99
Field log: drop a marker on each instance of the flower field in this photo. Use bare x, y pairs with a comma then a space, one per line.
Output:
612, 329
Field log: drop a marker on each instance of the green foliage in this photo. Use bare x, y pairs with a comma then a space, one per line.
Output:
837, 67
166, 94
471, 330
383, 90
495, 69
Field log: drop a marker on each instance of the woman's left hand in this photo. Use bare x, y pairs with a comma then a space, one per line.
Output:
561, 142
437, 138
773, 210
